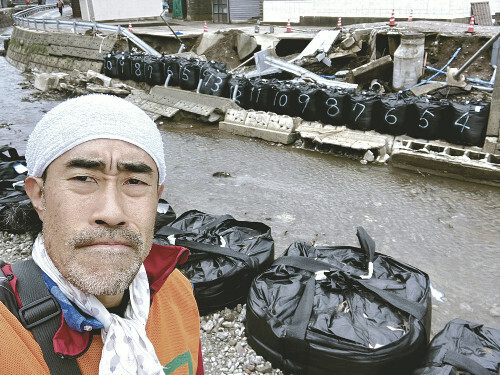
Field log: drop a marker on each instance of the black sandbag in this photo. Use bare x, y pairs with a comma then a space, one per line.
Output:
204, 66
137, 68
307, 102
285, 99
171, 65
361, 110
165, 214
189, 74
226, 254
17, 214
12, 166
332, 105
468, 123
214, 82
239, 91
314, 311
154, 71
391, 115
429, 117
123, 65
110, 67
465, 348
261, 94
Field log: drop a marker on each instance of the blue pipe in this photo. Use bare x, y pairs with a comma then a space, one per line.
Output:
473, 80
435, 75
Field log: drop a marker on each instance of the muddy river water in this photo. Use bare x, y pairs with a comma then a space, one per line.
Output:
447, 228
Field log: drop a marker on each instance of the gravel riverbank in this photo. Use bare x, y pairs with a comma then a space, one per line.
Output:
225, 347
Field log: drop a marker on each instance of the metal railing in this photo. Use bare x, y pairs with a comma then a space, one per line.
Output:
24, 19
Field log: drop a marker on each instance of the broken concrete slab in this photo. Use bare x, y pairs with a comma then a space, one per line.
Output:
380, 69
348, 42
263, 125
98, 89
48, 81
98, 78
449, 161
246, 45
208, 40
427, 88
168, 101
322, 42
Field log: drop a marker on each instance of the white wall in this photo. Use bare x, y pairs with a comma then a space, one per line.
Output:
99, 10
282, 10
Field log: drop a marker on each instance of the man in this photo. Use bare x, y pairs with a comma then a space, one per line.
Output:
60, 6
95, 173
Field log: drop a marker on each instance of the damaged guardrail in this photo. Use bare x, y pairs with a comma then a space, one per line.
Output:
24, 18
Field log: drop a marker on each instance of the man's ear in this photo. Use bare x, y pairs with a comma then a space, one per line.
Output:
160, 190
34, 189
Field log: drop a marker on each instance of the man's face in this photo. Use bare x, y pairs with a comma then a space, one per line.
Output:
98, 210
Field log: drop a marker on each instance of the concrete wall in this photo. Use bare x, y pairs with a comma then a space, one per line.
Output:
57, 52
282, 10
95, 10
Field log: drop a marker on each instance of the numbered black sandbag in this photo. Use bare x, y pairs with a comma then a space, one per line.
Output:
137, 68
239, 91
110, 67
261, 94
307, 102
226, 254
429, 118
468, 123
361, 110
154, 71
214, 82
285, 99
204, 66
391, 115
123, 65
171, 66
321, 310
465, 348
332, 105
189, 74
165, 214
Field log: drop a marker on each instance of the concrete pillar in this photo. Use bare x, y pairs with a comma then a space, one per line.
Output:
493, 129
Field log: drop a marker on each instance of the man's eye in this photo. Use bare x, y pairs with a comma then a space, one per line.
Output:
83, 178
135, 181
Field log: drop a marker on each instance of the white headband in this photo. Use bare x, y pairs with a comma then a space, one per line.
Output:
89, 117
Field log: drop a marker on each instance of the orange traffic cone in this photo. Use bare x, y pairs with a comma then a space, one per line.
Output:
339, 23
410, 17
130, 27
471, 25
205, 28
392, 20
288, 27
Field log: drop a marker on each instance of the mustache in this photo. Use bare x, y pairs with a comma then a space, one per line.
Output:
123, 235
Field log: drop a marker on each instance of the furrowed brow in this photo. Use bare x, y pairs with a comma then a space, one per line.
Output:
86, 163
137, 167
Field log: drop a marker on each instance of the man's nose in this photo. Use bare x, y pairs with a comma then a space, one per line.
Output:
109, 207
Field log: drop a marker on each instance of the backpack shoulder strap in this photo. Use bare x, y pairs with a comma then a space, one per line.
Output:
41, 314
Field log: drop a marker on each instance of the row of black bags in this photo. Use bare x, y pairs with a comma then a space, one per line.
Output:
317, 309
462, 122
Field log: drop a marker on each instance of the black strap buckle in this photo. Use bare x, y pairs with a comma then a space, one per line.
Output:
39, 311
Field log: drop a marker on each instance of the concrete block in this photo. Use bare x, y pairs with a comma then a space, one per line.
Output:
48, 81
257, 119
348, 42
98, 78
490, 145
208, 40
236, 116
246, 45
